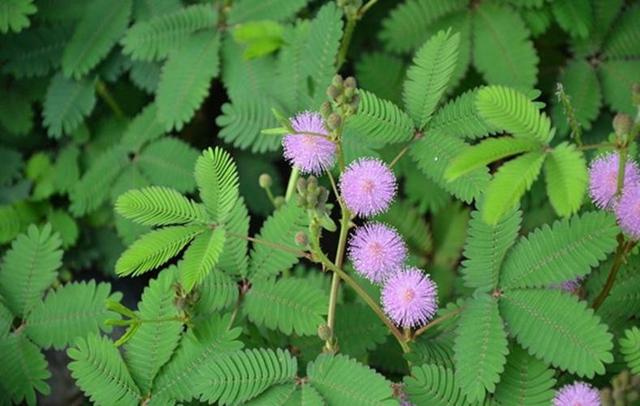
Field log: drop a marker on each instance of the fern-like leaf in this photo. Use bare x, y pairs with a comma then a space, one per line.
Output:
96, 33
380, 121
480, 348
185, 79
556, 327
248, 10
155, 248
630, 349
509, 184
73, 311
526, 381
280, 229
143, 129
242, 121
153, 343
512, 111
29, 267
565, 251
24, 370
617, 78
502, 50
237, 377
217, 291
566, 176
66, 104
14, 15
343, 381
433, 385
429, 76
288, 305
169, 162
434, 152
217, 178
201, 257
460, 118
155, 38
486, 248
100, 371
381, 74
623, 42
159, 206
234, 260
486, 152
574, 16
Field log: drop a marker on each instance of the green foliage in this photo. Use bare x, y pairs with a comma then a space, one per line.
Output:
566, 176
29, 268
14, 15
580, 83
575, 17
236, 377
24, 370
247, 10
572, 338
68, 102
35, 52
74, 310
565, 251
159, 206
381, 74
460, 118
201, 257
630, 349
433, 385
429, 75
287, 305
380, 120
217, 179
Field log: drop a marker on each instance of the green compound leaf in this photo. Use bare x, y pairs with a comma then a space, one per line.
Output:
75, 310
14, 15
24, 370
557, 328
185, 79
159, 206
341, 380
66, 104
429, 76
101, 373
97, 32
217, 178
565, 251
480, 348
201, 257
460, 118
567, 177
433, 385
630, 349
289, 305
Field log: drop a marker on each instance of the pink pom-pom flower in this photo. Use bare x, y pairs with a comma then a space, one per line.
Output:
577, 393
377, 251
410, 298
628, 211
368, 186
310, 148
603, 179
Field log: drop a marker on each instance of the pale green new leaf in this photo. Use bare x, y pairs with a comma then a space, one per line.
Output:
289, 305
630, 349
217, 178
380, 121
14, 15
155, 248
566, 175
201, 257
29, 268
101, 373
486, 152
155, 38
429, 76
512, 111
75, 310
236, 377
66, 104
100, 28
159, 206
154, 342
565, 251
509, 184
558, 328
341, 380
24, 370
480, 348
186, 77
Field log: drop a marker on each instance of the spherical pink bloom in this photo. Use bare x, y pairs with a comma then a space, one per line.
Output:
628, 211
577, 394
377, 251
603, 179
309, 149
410, 297
368, 186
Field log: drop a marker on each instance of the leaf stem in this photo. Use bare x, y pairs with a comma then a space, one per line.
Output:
104, 93
596, 146
291, 185
624, 247
437, 321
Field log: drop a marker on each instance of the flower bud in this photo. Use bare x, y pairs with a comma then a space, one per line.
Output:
301, 239
334, 121
265, 181
349, 93
324, 332
337, 81
350, 82
333, 92
301, 186
325, 109
279, 201
622, 124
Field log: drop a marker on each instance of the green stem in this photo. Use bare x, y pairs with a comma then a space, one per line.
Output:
366, 7
346, 40
103, 92
621, 165
280, 247
435, 322
596, 146
623, 249
291, 185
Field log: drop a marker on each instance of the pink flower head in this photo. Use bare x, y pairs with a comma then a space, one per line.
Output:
410, 297
377, 251
603, 179
309, 149
368, 186
628, 211
577, 394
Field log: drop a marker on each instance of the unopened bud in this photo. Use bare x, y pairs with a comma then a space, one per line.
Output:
279, 202
622, 124
301, 239
325, 109
265, 181
350, 82
301, 186
334, 121
349, 93
337, 81
333, 92
324, 195
324, 332
312, 183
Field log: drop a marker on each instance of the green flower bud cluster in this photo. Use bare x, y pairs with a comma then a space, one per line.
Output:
624, 390
344, 99
311, 195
